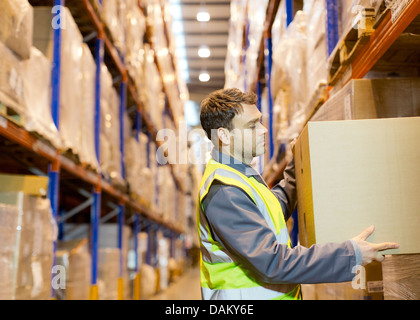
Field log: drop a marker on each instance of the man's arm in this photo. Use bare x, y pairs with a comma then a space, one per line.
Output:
238, 225
285, 190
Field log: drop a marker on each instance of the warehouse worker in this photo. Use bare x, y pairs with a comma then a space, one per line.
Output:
245, 248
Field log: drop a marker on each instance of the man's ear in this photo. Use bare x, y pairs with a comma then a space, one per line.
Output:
223, 135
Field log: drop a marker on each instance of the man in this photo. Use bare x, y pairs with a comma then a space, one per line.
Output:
245, 247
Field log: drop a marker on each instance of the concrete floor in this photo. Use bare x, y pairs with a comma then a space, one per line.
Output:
186, 287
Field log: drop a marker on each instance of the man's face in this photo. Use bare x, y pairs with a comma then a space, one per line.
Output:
247, 138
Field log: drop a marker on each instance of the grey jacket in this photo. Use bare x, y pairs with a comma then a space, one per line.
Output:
237, 224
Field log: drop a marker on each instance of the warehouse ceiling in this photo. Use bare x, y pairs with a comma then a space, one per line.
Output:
191, 35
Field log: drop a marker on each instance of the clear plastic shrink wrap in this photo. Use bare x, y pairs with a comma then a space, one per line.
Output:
11, 82
256, 12
234, 70
136, 28
36, 76
114, 13
16, 26
152, 95
110, 129
8, 230
87, 112
74, 256
28, 248
317, 51
71, 90
401, 277
290, 59
108, 273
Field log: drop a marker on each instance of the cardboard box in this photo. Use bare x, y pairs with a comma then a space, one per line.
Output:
357, 173
373, 98
366, 285
28, 184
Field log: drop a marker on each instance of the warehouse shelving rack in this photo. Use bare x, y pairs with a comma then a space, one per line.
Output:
32, 154
386, 33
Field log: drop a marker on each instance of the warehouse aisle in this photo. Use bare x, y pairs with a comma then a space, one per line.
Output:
187, 287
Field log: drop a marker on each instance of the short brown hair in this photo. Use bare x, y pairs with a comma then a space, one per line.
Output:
220, 107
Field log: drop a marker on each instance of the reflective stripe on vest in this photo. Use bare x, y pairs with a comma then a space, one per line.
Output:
221, 276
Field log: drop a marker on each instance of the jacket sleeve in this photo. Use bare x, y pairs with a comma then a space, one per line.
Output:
285, 190
237, 224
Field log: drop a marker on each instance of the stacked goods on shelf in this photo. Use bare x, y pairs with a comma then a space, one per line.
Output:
16, 26
166, 197
110, 158
373, 98
136, 28
36, 78
234, 70
8, 224
137, 169
151, 94
299, 75
87, 113
163, 260
77, 102
11, 82
289, 76
278, 86
256, 12
113, 14
316, 54
24, 71
75, 257
31, 230
110, 261
108, 273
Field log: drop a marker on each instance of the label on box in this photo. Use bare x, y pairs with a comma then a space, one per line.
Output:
375, 286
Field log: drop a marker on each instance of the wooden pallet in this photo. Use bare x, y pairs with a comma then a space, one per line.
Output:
350, 45
11, 115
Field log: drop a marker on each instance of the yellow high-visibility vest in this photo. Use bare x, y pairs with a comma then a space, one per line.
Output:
221, 276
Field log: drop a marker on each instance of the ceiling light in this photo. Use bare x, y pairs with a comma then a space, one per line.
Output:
203, 16
204, 76
204, 52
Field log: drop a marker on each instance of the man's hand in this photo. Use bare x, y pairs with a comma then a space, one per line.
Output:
370, 251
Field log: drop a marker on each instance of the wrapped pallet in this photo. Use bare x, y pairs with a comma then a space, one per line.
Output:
136, 28
110, 158
290, 63
75, 257
8, 229
316, 52
108, 273
152, 95
113, 13
71, 72
108, 244
11, 81
16, 26
234, 70
33, 233
87, 120
36, 78
256, 12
